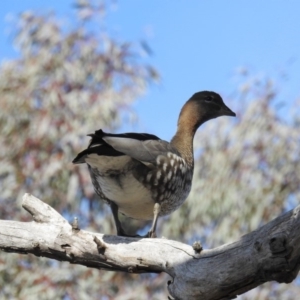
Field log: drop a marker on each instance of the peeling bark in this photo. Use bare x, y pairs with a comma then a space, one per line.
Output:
269, 253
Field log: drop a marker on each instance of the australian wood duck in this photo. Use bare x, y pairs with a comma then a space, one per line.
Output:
141, 175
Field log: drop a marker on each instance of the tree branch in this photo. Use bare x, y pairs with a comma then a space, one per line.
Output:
269, 253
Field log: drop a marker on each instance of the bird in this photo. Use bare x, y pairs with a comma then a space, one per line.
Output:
142, 176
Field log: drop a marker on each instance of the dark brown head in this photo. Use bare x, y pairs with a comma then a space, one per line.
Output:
202, 107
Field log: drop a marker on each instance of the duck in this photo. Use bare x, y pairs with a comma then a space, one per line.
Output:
142, 176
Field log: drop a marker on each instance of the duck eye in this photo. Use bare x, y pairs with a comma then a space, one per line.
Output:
208, 98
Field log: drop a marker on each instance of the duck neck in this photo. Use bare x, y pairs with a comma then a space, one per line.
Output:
183, 142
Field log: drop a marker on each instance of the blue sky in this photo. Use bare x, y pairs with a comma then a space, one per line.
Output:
197, 45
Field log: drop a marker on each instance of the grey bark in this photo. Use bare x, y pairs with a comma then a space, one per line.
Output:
269, 253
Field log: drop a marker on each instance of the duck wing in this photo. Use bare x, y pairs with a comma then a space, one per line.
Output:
146, 151
135, 145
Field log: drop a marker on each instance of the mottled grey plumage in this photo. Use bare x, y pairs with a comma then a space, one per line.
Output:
143, 176
145, 151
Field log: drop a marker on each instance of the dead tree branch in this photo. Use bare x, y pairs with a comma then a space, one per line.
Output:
270, 253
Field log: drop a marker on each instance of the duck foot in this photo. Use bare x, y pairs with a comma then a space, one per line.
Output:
151, 234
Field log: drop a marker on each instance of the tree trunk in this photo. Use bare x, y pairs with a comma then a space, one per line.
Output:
269, 253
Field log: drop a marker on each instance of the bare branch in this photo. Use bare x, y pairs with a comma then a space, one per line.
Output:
269, 253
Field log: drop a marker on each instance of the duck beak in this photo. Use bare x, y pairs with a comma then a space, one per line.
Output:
226, 111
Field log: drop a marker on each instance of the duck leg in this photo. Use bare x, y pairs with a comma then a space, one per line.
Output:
120, 231
156, 211
114, 208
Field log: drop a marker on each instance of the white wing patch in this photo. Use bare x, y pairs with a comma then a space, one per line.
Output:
95, 145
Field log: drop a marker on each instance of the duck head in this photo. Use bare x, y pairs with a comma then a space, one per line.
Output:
201, 107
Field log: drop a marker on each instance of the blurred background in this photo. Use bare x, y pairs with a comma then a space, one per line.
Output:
71, 67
